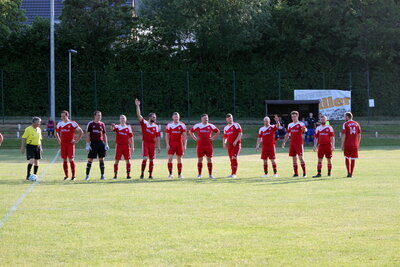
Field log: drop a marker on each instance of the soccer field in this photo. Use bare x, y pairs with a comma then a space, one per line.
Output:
162, 222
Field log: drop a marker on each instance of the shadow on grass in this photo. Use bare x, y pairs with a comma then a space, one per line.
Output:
219, 180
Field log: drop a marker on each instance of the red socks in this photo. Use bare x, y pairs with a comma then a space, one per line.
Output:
143, 165
347, 165
115, 169
303, 166
275, 168
72, 163
265, 168
234, 166
128, 169
65, 167
209, 166
353, 164
179, 168
296, 168
199, 167
151, 165
170, 168
319, 167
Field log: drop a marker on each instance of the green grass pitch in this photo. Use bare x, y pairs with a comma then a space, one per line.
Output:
247, 221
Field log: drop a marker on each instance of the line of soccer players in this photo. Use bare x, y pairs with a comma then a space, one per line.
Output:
204, 133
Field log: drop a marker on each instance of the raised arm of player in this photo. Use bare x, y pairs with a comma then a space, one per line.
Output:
138, 114
259, 140
1, 139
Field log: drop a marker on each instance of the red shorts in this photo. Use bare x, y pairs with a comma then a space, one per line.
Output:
325, 150
67, 150
204, 151
234, 151
175, 148
295, 150
351, 152
149, 150
268, 151
122, 150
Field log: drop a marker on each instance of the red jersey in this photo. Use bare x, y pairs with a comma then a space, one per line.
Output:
67, 131
231, 132
96, 130
123, 134
150, 132
267, 134
296, 131
352, 130
175, 131
204, 132
324, 134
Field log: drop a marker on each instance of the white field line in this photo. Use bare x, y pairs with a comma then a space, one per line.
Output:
17, 203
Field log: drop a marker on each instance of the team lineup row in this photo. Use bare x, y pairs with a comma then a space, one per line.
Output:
68, 133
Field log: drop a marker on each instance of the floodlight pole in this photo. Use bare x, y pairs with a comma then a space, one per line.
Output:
52, 64
70, 52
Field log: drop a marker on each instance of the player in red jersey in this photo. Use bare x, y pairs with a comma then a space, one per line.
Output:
204, 141
150, 139
65, 133
266, 136
96, 144
324, 143
124, 144
233, 138
295, 132
176, 141
351, 137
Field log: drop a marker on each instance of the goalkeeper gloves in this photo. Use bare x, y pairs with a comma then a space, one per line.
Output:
88, 148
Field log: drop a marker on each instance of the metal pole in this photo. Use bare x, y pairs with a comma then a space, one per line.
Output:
234, 92
2, 93
188, 94
52, 64
70, 85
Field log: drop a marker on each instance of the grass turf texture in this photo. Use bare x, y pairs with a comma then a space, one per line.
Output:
244, 221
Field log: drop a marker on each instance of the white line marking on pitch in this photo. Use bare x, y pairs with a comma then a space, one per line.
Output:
14, 208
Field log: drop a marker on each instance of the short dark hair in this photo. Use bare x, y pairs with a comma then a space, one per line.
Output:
176, 113
202, 115
151, 114
229, 115
66, 112
95, 113
349, 115
294, 113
